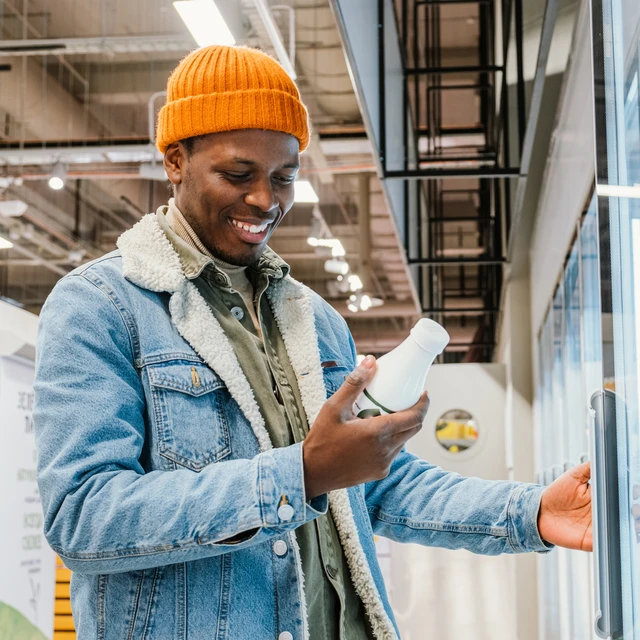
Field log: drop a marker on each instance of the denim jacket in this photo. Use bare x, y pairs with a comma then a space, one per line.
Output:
161, 489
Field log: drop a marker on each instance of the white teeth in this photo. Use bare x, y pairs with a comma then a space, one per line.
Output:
250, 228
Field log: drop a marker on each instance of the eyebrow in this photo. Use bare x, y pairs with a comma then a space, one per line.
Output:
251, 163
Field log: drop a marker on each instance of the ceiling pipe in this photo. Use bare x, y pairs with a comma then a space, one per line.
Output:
151, 110
276, 38
108, 46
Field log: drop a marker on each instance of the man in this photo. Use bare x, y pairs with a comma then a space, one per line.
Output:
177, 379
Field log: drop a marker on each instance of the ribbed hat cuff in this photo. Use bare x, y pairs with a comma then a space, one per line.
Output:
268, 109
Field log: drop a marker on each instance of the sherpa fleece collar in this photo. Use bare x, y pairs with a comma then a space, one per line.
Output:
150, 261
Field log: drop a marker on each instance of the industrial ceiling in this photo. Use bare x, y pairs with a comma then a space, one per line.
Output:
81, 82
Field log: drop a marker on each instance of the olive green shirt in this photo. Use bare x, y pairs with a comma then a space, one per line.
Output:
335, 612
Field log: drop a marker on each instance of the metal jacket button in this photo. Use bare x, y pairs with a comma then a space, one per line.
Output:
280, 547
285, 512
331, 572
237, 313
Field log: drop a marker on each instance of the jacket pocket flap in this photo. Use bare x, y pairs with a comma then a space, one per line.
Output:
185, 377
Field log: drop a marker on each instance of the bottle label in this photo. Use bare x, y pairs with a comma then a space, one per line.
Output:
368, 407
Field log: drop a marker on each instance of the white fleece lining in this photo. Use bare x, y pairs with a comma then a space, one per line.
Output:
292, 305
150, 261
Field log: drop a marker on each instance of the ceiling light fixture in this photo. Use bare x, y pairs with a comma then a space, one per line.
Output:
5, 244
355, 284
12, 208
339, 267
304, 192
362, 302
58, 176
205, 22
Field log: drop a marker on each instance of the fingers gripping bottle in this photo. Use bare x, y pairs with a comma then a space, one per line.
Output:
402, 373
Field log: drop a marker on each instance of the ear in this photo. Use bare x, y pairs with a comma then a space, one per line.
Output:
175, 162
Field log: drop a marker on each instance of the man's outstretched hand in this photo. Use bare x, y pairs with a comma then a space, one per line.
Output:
565, 510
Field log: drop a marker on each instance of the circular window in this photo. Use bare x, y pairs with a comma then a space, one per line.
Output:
456, 430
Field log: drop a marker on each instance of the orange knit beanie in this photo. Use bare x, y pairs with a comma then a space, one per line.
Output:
222, 88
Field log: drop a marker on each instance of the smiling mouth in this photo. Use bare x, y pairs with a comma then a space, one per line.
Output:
251, 228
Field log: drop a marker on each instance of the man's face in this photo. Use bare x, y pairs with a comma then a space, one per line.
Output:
235, 189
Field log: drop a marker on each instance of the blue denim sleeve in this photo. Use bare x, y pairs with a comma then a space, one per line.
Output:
421, 503
102, 512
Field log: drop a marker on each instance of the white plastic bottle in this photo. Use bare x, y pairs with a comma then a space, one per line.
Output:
402, 373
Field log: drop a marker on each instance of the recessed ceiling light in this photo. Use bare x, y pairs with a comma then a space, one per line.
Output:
205, 22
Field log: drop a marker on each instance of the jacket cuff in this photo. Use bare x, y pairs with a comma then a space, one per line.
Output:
522, 519
282, 491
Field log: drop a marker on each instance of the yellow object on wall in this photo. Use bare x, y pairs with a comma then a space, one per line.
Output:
63, 628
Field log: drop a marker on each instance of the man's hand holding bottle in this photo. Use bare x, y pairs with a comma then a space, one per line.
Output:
342, 450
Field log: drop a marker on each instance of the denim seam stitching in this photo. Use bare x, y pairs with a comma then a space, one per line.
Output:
511, 528
501, 532
136, 602
151, 597
129, 325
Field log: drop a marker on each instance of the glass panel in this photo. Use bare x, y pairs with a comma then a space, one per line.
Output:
574, 406
548, 563
591, 350
591, 305
616, 60
575, 439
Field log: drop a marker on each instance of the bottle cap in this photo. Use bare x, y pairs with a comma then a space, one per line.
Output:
431, 336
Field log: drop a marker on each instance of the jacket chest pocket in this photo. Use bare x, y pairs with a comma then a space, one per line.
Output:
189, 413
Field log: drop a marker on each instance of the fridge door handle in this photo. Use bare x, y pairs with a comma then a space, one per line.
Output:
606, 517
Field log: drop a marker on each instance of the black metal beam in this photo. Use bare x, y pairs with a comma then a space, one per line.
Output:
461, 311
381, 87
522, 116
61, 144
434, 174
441, 2
464, 219
452, 131
470, 344
493, 68
456, 261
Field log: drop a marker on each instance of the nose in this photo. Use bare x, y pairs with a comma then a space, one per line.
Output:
261, 196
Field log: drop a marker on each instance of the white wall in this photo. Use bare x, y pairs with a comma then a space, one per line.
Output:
569, 173
444, 594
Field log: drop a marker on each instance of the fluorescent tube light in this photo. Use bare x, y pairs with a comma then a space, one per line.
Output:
304, 192
205, 22
618, 191
5, 244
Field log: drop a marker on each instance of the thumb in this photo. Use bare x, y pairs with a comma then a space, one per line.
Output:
354, 384
582, 472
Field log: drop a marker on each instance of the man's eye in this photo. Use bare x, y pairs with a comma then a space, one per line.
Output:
284, 180
237, 177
